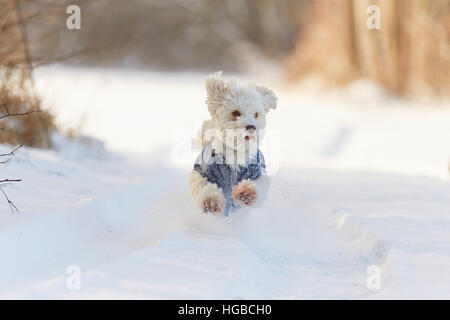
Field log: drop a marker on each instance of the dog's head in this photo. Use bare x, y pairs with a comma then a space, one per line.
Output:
238, 109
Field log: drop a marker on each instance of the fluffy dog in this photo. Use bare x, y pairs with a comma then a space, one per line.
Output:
230, 170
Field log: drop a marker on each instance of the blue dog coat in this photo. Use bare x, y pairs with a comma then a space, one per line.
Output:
212, 165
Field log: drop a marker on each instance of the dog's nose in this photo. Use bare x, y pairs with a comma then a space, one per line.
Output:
250, 128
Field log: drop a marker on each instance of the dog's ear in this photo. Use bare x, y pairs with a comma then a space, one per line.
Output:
269, 98
216, 88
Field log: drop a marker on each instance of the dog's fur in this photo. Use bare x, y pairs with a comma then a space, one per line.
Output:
224, 98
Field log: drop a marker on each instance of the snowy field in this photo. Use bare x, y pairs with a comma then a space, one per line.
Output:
358, 178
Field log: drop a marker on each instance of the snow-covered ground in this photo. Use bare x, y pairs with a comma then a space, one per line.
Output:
358, 178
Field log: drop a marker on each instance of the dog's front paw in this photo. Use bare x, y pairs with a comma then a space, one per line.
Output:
211, 199
212, 205
244, 193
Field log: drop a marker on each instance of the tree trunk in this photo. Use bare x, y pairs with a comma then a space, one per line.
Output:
410, 54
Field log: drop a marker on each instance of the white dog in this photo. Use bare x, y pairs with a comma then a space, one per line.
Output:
230, 171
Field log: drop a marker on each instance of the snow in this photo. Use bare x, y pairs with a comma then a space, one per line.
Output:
358, 178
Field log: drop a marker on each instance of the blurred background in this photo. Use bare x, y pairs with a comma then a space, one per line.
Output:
296, 46
410, 54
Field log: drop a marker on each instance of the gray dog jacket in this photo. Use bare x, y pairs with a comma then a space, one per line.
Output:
212, 165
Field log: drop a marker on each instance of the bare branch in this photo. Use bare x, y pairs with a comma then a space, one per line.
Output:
10, 180
4, 182
12, 206
8, 114
11, 153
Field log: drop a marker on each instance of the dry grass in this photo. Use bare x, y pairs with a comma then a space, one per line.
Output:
33, 129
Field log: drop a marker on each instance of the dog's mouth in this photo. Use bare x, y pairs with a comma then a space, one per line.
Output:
248, 137
245, 138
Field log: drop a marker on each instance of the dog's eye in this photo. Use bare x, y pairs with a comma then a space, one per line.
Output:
235, 113
256, 115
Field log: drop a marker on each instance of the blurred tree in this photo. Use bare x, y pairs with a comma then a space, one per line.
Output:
174, 34
13, 49
410, 54
17, 95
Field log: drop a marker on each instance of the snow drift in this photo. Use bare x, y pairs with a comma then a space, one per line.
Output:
358, 178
